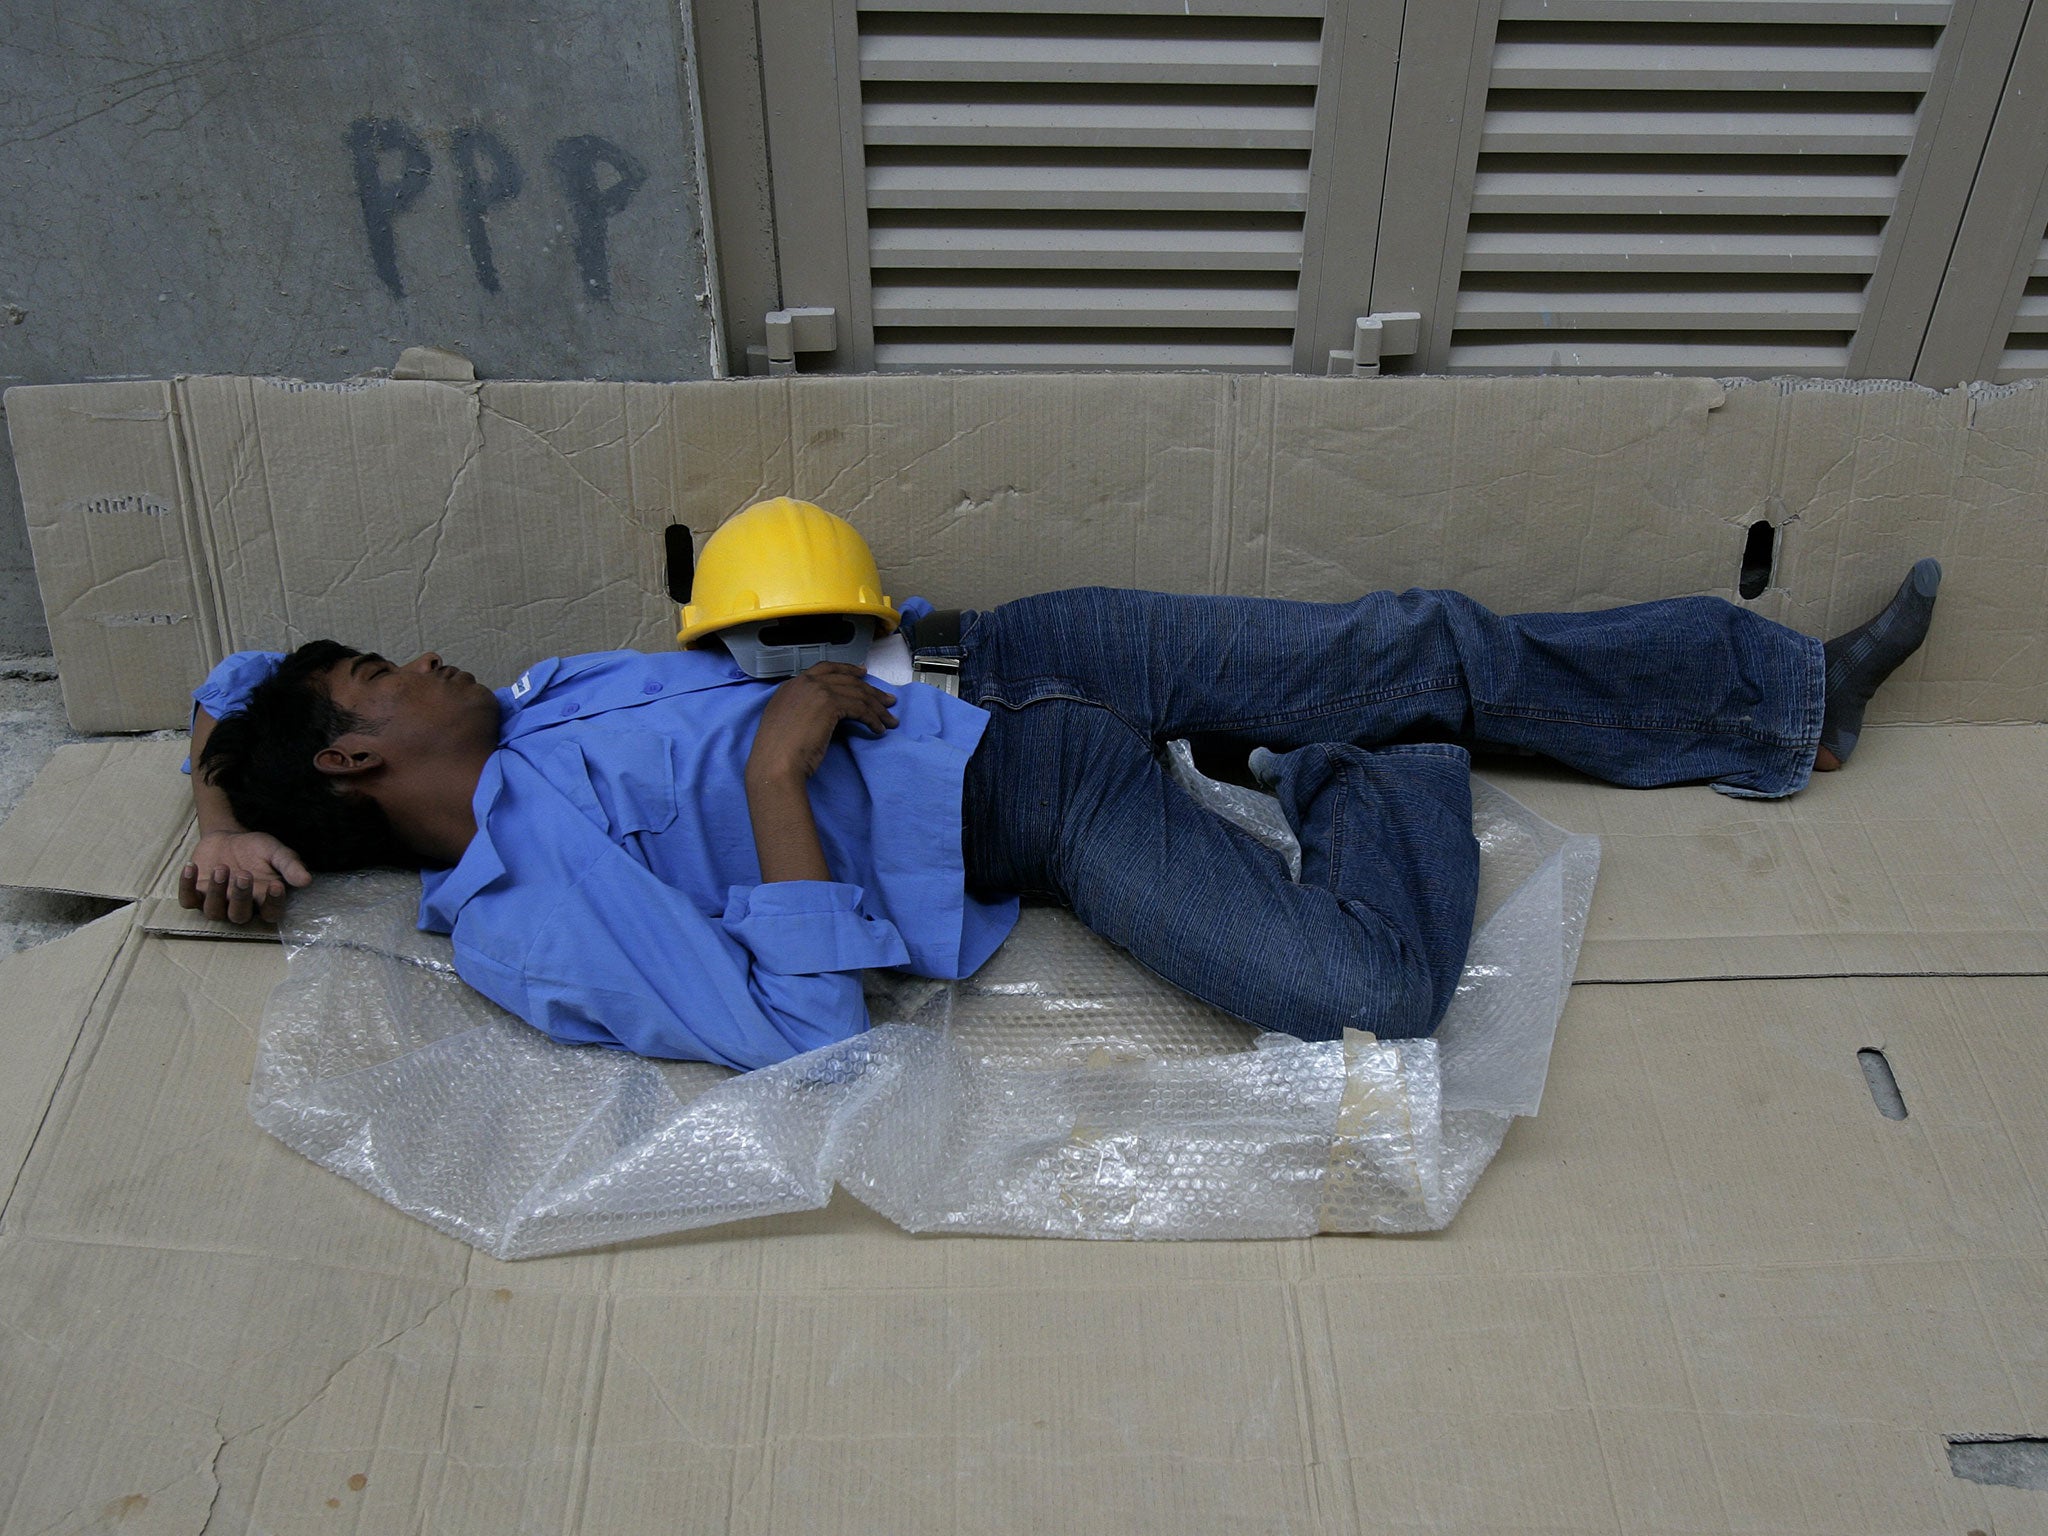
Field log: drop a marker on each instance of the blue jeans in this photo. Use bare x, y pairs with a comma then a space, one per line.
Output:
1374, 703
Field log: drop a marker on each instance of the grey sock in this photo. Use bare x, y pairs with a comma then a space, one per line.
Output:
1863, 658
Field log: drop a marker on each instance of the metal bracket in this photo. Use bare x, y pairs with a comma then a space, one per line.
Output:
791, 331
1393, 333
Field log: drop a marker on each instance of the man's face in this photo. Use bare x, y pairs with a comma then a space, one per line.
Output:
421, 709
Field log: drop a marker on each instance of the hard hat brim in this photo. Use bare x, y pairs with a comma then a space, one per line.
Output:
884, 613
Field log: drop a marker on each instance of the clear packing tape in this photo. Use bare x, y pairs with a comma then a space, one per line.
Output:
1062, 1091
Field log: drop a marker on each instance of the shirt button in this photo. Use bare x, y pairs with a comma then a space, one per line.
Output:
650, 687
568, 707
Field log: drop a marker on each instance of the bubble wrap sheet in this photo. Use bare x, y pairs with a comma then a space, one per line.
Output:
1061, 1091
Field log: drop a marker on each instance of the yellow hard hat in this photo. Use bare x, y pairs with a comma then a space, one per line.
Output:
782, 559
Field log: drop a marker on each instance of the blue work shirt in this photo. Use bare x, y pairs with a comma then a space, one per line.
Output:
612, 895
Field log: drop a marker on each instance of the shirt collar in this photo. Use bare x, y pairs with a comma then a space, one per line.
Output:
444, 892
620, 673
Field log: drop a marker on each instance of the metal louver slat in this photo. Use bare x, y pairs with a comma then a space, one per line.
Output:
990, 184
1085, 247
1098, 186
2023, 360
1705, 188
1721, 356
1931, 13
1673, 129
1124, 60
1667, 246
1703, 66
1067, 305
1204, 8
1063, 350
1686, 185
1092, 125
2032, 315
1659, 309
2026, 344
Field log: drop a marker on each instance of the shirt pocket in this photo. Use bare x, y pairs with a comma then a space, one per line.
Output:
633, 780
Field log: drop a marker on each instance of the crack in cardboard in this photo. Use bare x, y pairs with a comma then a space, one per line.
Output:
278, 1428
1306, 1406
567, 460
146, 1494
1592, 1409
243, 458
593, 1392
213, 1471
472, 451
828, 493
275, 1429
548, 435
199, 983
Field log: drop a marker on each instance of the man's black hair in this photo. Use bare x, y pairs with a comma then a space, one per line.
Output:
262, 759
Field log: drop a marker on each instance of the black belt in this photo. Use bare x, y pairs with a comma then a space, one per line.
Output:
939, 629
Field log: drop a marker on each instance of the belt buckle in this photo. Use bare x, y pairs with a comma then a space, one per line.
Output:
940, 672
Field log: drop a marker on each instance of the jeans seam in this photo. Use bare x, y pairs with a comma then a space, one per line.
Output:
1333, 853
1144, 735
1145, 738
1241, 723
1705, 727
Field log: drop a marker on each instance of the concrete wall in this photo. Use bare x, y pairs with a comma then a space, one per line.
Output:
302, 188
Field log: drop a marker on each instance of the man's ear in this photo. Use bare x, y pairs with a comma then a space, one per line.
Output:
341, 762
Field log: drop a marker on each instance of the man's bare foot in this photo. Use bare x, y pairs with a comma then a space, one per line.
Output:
1825, 761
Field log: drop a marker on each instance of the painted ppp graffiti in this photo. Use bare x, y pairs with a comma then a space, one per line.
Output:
393, 166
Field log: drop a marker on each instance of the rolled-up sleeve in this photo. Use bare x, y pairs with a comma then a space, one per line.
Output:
806, 927
228, 686
578, 938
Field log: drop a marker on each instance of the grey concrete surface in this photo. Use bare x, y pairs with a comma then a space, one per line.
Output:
291, 187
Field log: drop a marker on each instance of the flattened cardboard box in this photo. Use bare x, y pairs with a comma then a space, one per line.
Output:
1712, 1288
173, 522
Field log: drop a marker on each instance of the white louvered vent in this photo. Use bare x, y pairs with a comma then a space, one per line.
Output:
1701, 194
2026, 345
1087, 183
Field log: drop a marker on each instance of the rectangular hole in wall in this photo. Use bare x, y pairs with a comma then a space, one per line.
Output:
1759, 555
680, 549
1884, 1087
2003, 1461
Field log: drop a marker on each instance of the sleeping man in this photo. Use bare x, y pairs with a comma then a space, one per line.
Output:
665, 854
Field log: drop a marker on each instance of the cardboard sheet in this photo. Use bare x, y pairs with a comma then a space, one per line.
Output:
102, 819
1928, 856
114, 818
56, 984
1713, 1288
173, 522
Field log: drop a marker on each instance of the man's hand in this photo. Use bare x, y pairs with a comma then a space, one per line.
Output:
240, 875
796, 728
801, 716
